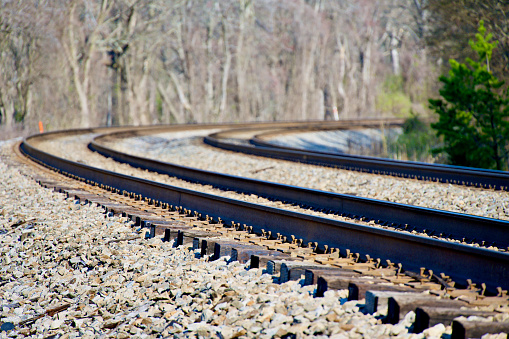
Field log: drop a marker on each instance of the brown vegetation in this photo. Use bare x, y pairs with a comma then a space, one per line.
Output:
81, 63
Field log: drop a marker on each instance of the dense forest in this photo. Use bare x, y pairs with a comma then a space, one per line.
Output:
85, 63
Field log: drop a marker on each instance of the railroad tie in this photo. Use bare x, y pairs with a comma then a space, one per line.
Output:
462, 328
260, 260
242, 252
274, 265
358, 288
400, 303
429, 316
293, 270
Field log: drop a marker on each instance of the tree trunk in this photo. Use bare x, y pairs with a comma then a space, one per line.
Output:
209, 87
80, 61
321, 104
80, 85
174, 113
308, 61
342, 74
180, 92
224, 81
395, 53
366, 79
242, 61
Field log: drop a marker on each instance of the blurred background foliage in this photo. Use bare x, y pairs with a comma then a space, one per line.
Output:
82, 63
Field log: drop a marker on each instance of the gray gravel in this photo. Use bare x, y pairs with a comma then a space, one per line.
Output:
360, 142
145, 288
461, 199
74, 148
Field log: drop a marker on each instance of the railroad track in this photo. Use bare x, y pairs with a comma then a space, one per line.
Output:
410, 251
260, 145
487, 231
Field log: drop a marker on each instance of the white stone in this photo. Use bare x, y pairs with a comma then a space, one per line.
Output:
435, 331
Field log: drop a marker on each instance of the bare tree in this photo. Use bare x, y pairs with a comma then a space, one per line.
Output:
21, 33
85, 22
110, 62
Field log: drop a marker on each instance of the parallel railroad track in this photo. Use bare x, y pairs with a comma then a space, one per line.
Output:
260, 145
492, 232
412, 252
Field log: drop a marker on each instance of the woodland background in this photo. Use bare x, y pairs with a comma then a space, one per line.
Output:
87, 63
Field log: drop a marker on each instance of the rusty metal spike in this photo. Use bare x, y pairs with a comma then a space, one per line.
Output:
501, 292
471, 286
422, 269
378, 262
326, 247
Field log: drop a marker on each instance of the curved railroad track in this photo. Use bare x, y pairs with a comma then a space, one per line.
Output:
457, 175
487, 231
393, 243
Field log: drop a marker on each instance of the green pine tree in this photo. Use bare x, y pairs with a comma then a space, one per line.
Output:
473, 115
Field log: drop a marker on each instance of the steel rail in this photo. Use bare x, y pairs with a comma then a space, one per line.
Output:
450, 224
408, 169
266, 126
461, 262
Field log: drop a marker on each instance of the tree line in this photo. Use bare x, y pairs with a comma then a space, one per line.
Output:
84, 63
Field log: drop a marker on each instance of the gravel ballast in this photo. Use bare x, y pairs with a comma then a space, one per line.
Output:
55, 256
360, 142
461, 199
142, 288
171, 148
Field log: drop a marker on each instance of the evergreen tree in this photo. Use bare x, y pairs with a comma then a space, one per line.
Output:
473, 115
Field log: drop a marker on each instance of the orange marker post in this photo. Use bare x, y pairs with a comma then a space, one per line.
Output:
41, 128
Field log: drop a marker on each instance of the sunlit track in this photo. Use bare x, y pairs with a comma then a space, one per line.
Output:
399, 216
259, 145
410, 250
